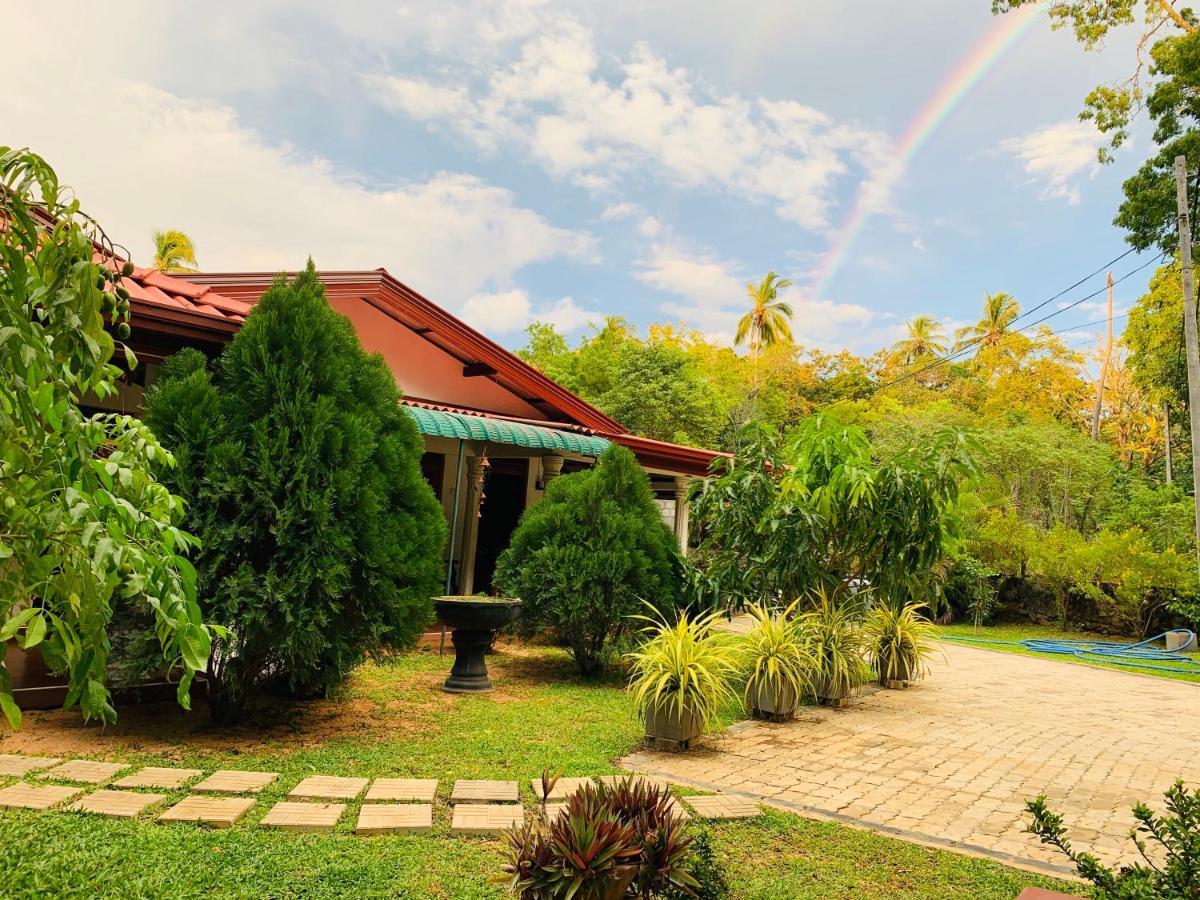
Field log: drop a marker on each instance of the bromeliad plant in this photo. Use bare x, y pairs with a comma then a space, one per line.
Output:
608, 842
837, 646
682, 674
899, 642
779, 662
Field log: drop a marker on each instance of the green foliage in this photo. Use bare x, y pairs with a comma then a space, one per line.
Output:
1171, 870
898, 642
1154, 336
84, 524
836, 639
684, 667
969, 590
609, 841
586, 556
777, 655
173, 252
322, 541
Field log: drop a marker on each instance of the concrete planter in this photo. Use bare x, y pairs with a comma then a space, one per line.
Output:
895, 675
766, 702
671, 729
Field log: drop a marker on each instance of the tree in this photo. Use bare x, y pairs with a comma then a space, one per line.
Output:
84, 524
1154, 336
589, 554
173, 252
768, 321
1000, 310
322, 540
926, 338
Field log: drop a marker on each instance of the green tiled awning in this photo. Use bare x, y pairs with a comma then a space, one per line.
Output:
458, 426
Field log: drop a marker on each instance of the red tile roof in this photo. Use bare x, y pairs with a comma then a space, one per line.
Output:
156, 288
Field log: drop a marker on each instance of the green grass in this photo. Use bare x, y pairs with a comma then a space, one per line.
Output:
1014, 633
392, 720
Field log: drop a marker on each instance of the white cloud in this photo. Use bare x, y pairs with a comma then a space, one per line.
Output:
140, 157
919, 244
507, 312
619, 211
597, 125
1055, 156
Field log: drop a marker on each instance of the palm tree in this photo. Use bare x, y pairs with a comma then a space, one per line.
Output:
926, 337
768, 321
1000, 310
173, 252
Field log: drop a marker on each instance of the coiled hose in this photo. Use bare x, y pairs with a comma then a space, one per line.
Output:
1134, 656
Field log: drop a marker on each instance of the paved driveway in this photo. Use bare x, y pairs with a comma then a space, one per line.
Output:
952, 760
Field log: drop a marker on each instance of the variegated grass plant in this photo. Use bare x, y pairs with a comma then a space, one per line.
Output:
837, 643
899, 642
777, 655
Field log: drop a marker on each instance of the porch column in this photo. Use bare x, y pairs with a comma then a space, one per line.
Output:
682, 484
551, 468
476, 467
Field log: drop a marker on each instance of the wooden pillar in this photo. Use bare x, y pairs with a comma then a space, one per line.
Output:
682, 484
476, 469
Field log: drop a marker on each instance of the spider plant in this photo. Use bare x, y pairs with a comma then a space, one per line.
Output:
681, 674
898, 643
779, 662
837, 646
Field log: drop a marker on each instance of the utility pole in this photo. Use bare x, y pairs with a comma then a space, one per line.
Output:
1104, 376
1189, 331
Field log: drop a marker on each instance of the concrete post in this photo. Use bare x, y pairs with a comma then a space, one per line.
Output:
682, 484
476, 469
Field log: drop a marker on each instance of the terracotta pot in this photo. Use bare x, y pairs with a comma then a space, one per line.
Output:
766, 700
665, 723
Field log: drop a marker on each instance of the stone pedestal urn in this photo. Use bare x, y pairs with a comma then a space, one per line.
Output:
474, 622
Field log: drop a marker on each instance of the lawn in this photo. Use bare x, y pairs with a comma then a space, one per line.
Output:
1008, 635
392, 720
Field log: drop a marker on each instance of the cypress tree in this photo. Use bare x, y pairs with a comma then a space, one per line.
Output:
321, 539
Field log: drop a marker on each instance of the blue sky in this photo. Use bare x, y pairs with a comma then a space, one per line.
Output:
564, 161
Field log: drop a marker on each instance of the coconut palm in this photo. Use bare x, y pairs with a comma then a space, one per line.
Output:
926, 337
173, 252
1000, 310
768, 321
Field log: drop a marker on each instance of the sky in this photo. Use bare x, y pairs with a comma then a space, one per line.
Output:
564, 161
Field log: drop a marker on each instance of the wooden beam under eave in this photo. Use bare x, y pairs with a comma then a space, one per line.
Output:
476, 370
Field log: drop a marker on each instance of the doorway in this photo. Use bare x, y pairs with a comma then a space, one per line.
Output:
503, 503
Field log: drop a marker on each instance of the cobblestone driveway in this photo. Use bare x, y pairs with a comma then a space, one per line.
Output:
952, 760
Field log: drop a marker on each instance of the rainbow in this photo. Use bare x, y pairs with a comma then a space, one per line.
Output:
969, 72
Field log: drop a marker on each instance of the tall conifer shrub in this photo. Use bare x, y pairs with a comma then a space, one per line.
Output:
321, 539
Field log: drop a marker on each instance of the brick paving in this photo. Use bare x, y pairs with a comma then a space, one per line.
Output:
289, 815
233, 781
562, 789
116, 804
394, 818
469, 790
485, 818
84, 770
20, 766
327, 787
952, 760
723, 806
35, 796
158, 777
216, 812
422, 789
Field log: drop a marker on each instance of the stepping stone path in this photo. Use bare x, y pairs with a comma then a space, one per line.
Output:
232, 781
116, 804
422, 789
486, 818
288, 815
467, 790
20, 766
326, 787
394, 818
156, 777
723, 806
35, 796
85, 771
217, 812
562, 789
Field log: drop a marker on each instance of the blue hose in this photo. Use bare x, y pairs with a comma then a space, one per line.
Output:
1134, 656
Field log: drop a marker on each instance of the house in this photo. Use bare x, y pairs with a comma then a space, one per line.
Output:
496, 430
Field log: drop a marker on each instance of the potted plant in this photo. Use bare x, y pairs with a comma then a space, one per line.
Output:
837, 647
898, 644
779, 663
680, 676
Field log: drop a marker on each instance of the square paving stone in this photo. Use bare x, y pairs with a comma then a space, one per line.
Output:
19, 766
614, 780
485, 818
467, 790
116, 804
157, 777
218, 812
288, 815
35, 796
562, 789
723, 806
394, 818
84, 770
326, 787
232, 781
554, 810
422, 789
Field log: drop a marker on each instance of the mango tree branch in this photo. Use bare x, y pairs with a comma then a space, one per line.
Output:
1176, 17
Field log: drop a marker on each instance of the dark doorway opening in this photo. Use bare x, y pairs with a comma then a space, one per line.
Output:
503, 503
